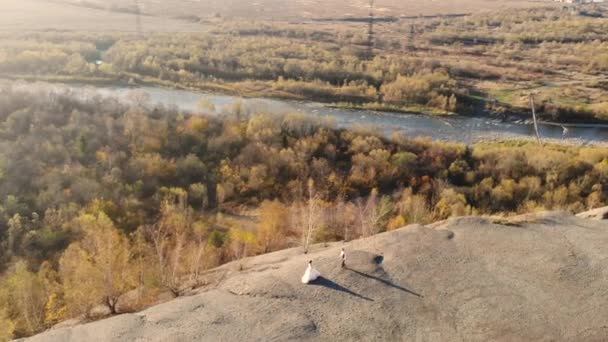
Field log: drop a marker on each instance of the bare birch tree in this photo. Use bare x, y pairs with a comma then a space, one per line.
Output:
307, 216
372, 213
168, 236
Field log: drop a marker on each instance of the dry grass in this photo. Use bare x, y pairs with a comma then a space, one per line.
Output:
41, 15
112, 15
282, 9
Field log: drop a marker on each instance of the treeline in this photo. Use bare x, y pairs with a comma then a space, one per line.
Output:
115, 205
451, 65
242, 59
529, 26
556, 38
531, 46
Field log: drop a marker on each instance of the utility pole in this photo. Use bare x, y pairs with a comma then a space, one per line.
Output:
370, 31
410, 38
534, 118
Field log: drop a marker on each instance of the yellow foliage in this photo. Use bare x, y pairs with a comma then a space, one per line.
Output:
273, 225
55, 309
96, 269
452, 204
26, 298
263, 127
7, 327
101, 156
241, 241
196, 125
396, 223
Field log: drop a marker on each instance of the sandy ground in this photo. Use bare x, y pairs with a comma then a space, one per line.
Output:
540, 277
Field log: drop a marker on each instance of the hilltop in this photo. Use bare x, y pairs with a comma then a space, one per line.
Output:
533, 277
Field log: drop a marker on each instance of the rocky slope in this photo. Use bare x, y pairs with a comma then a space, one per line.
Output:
541, 277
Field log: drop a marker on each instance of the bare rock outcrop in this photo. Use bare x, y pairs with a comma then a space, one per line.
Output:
542, 278
595, 214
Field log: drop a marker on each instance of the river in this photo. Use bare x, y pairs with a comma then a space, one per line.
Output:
450, 128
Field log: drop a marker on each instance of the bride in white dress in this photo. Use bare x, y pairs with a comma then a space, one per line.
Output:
310, 274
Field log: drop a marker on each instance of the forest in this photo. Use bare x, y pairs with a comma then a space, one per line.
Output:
479, 64
118, 204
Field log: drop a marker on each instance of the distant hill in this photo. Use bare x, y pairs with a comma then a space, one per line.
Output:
266, 9
539, 277
292, 9
184, 15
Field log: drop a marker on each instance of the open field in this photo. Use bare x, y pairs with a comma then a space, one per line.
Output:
309, 9
40, 15
181, 15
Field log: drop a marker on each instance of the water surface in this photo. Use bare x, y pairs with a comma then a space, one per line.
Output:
453, 128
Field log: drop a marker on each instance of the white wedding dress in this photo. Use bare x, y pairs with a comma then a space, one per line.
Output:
310, 274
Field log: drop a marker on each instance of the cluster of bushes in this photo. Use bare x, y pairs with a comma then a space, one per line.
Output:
102, 201
281, 60
31, 56
525, 26
528, 49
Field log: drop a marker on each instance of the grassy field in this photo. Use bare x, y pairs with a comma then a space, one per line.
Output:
310, 9
43, 15
181, 15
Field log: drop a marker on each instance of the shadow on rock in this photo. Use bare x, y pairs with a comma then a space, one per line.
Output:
321, 281
385, 282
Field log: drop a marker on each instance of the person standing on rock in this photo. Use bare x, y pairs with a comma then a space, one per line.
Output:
343, 257
310, 274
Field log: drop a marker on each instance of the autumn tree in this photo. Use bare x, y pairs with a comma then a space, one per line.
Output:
241, 241
272, 229
26, 298
343, 218
307, 216
97, 269
198, 248
55, 309
373, 213
452, 203
413, 208
198, 195
169, 236
7, 327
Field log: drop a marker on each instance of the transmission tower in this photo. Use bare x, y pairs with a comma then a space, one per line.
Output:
370, 31
410, 38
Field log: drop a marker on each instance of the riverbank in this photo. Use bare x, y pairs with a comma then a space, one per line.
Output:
382, 107
436, 70
258, 89
455, 128
545, 142
248, 89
